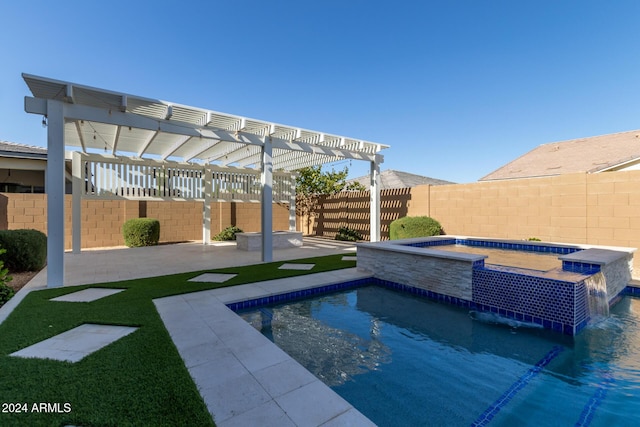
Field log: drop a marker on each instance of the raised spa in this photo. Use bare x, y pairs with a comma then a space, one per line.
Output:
586, 280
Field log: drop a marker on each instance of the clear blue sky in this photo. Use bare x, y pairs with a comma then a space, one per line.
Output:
457, 88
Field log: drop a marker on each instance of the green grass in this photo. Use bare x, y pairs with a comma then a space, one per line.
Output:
139, 380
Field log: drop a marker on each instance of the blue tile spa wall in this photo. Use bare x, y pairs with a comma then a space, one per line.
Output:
557, 305
528, 247
632, 290
581, 299
294, 295
560, 250
580, 267
428, 243
554, 304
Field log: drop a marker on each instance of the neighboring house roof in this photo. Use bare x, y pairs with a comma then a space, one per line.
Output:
586, 155
23, 151
396, 179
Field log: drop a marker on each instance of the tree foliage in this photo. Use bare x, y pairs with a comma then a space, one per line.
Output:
312, 182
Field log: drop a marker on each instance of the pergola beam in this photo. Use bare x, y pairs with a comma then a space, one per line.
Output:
201, 149
240, 154
147, 143
116, 139
88, 113
176, 146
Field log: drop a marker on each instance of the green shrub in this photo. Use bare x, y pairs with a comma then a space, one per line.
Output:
141, 232
5, 291
534, 239
228, 233
414, 226
5, 294
26, 250
348, 234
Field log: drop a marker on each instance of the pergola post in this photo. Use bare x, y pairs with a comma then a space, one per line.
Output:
206, 208
55, 177
374, 191
292, 203
76, 202
266, 179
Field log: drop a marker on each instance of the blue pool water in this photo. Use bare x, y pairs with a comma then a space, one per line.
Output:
404, 360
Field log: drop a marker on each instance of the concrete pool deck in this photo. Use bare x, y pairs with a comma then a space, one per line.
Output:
243, 378
104, 265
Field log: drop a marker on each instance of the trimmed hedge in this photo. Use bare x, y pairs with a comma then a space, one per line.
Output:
139, 232
414, 226
228, 233
5, 291
26, 250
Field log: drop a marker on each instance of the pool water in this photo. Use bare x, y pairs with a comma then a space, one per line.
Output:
508, 257
404, 360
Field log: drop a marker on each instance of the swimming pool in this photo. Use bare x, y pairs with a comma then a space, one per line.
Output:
405, 360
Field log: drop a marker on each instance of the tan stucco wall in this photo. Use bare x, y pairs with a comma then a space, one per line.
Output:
102, 220
602, 209
597, 209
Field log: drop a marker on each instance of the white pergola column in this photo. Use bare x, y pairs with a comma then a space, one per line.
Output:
76, 202
266, 179
292, 203
206, 208
55, 176
374, 191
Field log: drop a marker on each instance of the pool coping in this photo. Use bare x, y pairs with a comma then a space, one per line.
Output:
243, 377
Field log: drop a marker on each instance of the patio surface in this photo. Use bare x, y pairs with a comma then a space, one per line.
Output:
243, 378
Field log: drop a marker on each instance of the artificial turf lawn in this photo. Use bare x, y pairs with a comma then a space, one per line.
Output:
140, 380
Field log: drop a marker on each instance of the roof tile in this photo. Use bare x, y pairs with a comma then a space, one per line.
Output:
587, 155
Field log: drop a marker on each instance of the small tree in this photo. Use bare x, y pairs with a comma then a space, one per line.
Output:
312, 182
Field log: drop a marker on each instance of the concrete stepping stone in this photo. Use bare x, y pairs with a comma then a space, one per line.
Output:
88, 295
213, 277
287, 266
75, 344
349, 258
325, 246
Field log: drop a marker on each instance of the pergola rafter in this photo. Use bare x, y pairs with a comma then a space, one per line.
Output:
97, 120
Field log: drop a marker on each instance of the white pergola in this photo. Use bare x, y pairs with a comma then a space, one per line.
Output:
129, 129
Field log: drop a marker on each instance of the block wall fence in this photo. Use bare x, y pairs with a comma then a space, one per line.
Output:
102, 220
598, 209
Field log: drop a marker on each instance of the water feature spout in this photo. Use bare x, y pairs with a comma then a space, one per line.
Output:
597, 296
